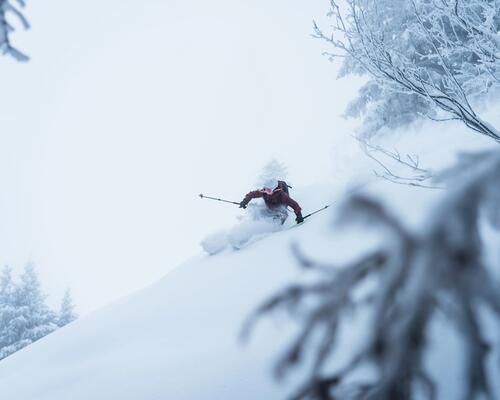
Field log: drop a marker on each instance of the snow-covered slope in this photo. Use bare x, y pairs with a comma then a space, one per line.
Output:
178, 339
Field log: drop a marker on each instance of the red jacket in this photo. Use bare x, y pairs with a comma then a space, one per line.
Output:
274, 199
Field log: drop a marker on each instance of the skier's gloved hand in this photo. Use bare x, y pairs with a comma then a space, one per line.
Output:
243, 204
299, 219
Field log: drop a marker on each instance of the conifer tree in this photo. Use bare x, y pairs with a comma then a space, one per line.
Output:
67, 310
271, 173
7, 310
27, 316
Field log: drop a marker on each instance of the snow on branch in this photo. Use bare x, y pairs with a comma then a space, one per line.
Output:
419, 275
6, 28
442, 51
415, 174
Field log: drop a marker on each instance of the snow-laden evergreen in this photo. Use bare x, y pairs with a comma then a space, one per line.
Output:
67, 312
25, 316
7, 310
271, 173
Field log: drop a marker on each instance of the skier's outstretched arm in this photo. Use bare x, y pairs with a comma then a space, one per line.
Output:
255, 194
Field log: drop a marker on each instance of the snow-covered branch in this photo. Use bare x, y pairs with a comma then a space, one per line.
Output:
419, 275
444, 52
7, 8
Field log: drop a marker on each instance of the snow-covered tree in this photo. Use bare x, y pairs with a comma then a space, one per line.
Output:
6, 304
28, 318
8, 8
272, 172
422, 56
67, 310
412, 279
6, 285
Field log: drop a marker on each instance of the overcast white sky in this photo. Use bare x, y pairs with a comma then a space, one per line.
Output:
128, 110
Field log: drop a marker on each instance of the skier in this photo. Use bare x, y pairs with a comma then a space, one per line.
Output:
276, 200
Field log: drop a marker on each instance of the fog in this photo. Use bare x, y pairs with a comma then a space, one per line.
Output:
127, 111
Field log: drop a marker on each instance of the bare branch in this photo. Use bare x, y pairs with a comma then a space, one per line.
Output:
417, 275
418, 176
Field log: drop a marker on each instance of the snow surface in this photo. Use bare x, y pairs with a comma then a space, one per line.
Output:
179, 338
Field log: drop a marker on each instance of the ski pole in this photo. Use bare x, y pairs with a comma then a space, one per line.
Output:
317, 211
202, 196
